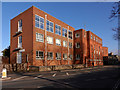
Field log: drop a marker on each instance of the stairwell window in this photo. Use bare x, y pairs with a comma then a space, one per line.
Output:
58, 56
58, 42
39, 22
20, 25
64, 32
49, 40
77, 35
39, 37
20, 42
49, 55
39, 55
57, 29
64, 56
49, 26
64, 43
77, 45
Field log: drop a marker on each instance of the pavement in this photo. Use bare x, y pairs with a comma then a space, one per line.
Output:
96, 77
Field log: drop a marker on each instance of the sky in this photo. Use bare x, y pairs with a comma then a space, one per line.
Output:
93, 15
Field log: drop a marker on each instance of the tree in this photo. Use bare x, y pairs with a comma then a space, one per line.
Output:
115, 13
6, 52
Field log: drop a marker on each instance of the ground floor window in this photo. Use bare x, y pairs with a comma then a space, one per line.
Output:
64, 56
49, 55
71, 57
39, 55
77, 56
58, 56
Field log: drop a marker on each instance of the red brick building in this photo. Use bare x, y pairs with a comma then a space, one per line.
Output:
45, 39
42, 40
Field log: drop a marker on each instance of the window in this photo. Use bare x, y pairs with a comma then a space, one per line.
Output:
39, 55
49, 40
39, 37
57, 29
70, 45
64, 43
70, 34
58, 42
49, 55
39, 22
20, 42
84, 33
70, 57
64, 56
20, 25
91, 36
77, 45
77, 35
94, 37
77, 56
49, 26
64, 32
58, 56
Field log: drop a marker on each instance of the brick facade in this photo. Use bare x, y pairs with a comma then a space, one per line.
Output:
82, 55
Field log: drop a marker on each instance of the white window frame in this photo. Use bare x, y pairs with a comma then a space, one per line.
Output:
57, 43
77, 35
39, 22
37, 57
20, 43
48, 41
64, 54
64, 32
64, 43
49, 26
77, 45
19, 27
69, 34
58, 58
59, 30
48, 57
38, 38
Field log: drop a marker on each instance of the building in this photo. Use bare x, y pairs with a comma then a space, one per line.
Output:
88, 48
40, 39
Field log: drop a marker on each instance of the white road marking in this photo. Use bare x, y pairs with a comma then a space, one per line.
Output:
54, 75
116, 85
19, 78
38, 76
67, 74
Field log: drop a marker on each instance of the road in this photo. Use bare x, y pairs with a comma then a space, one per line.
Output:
97, 77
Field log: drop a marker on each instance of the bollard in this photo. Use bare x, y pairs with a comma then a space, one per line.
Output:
4, 73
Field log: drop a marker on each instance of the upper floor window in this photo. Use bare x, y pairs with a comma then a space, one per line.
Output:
49, 55
70, 45
19, 41
64, 32
49, 40
84, 33
64, 56
64, 43
58, 56
49, 26
77, 35
39, 55
39, 37
91, 36
70, 34
94, 37
20, 25
77, 45
39, 22
78, 56
58, 42
57, 29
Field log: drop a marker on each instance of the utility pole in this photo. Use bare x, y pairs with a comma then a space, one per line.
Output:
45, 41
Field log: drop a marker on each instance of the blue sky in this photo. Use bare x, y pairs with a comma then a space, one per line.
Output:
78, 14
